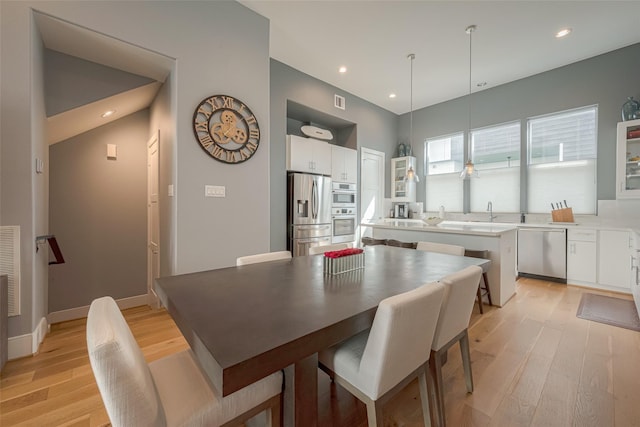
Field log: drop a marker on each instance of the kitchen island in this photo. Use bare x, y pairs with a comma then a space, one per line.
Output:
498, 239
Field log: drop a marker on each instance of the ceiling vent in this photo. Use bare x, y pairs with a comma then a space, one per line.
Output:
339, 102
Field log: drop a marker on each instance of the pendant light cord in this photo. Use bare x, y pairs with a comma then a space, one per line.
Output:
470, 29
411, 56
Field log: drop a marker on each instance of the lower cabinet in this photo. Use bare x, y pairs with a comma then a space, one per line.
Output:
599, 258
581, 256
614, 261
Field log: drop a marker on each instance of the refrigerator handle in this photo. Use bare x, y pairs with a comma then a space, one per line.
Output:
314, 200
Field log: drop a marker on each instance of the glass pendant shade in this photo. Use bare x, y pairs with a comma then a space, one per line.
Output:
411, 176
469, 171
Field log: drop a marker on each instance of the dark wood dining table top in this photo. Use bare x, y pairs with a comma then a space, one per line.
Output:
244, 323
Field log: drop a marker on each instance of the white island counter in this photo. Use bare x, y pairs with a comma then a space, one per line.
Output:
498, 239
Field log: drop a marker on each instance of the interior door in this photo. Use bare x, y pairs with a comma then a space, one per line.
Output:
153, 219
371, 187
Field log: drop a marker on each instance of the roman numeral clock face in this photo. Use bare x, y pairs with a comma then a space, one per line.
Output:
226, 129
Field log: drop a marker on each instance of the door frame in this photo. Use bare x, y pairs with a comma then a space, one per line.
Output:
153, 218
365, 154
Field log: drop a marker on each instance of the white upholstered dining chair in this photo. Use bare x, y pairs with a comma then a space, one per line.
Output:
453, 321
315, 250
378, 362
442, 248
267, 256
171, 391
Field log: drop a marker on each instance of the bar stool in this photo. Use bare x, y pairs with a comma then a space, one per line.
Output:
484, 254
398, 243
370, 241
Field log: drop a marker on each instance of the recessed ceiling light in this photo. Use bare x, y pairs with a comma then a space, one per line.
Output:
107, 113
392, 95
342, 69
563, 32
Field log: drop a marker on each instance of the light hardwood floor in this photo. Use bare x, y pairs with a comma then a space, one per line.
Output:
534, 364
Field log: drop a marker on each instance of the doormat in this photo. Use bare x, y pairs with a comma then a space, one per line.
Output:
611, 311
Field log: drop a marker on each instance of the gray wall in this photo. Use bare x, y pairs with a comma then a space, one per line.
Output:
71, 82
98, 213
206, 233
376, 129
606, 80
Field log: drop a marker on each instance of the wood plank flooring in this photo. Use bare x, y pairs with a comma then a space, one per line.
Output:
534, 364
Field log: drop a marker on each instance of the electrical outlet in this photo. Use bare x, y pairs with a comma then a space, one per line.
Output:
214, 191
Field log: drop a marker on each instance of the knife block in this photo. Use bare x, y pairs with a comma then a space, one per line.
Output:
562, 215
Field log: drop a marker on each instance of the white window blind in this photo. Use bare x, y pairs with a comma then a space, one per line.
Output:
495, 152
562, 160
444, 161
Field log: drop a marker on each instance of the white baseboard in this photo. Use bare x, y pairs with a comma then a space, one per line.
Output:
28, 344
81, 312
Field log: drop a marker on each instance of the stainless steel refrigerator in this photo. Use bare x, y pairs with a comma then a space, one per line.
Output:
308, 212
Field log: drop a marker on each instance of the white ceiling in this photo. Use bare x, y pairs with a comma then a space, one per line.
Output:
514, 39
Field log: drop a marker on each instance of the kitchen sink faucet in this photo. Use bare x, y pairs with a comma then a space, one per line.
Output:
490, 210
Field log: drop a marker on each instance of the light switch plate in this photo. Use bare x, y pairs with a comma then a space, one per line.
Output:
170, 190
214, 190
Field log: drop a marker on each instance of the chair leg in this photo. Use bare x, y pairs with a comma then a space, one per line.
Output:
374, 413
435, 364
480, 298
424, 397
466, 360
486, 285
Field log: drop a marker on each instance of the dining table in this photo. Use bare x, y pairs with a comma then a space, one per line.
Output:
246, 322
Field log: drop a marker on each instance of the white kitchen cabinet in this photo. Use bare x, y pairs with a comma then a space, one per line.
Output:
581, 256
402, 191
614, 261
628, 160
344, 164
308, 155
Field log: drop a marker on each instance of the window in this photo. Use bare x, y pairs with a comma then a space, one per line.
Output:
443, 163
562, 151
495, 152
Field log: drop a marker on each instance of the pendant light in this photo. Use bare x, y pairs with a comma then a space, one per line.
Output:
411, 175
469, 169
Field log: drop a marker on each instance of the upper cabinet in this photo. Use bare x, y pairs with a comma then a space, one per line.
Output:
628, 160
402, 191
344, 164
308, 155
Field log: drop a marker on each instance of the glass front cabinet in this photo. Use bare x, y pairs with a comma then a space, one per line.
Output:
402, 191
628, 160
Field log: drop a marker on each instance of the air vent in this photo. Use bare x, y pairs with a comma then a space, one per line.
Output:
339, 102
10, 264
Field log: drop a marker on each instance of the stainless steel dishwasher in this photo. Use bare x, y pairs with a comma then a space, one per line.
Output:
542, 253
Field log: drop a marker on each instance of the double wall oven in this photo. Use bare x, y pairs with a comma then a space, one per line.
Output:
343, 212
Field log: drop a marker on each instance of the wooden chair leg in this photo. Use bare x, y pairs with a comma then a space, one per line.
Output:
374, 414
480, 298
435, 364
466, 361
424, 397
486, 285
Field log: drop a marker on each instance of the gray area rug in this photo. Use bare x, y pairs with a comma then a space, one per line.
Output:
612, 311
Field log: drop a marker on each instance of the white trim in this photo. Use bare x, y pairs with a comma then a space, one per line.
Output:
28, 344
81, 312
19, 346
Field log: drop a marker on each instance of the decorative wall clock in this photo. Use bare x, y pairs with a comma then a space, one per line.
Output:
226, 129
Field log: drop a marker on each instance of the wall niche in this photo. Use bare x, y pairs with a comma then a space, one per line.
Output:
344, 132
